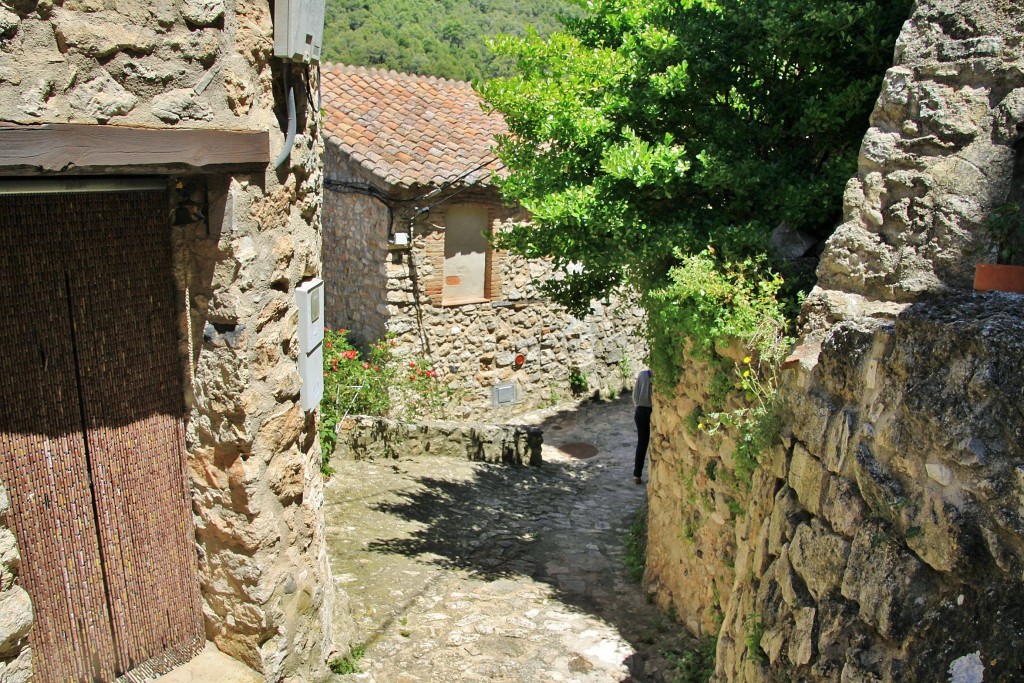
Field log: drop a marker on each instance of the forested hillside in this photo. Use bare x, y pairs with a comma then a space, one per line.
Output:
432, 37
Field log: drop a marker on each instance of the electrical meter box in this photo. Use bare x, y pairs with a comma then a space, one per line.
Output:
310, 299
299, 30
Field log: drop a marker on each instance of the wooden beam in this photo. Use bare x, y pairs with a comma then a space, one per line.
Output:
80, 149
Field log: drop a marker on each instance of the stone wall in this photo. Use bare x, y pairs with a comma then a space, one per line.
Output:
156, 64
355, 247
15, 606
698, 505
884, 540
241, 245
253, 453
894, 545
373, 291
366, 437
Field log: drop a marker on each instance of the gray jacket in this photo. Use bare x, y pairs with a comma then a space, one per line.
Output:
642, 389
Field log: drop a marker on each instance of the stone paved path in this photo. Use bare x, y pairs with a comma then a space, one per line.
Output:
463, 571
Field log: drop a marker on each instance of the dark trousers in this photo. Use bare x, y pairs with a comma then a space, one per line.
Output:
642, 417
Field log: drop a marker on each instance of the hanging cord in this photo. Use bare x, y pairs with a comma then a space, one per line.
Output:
307, 81
188, 331
290, 95
446, 185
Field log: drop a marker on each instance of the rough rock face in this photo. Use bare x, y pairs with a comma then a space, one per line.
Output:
89, 62
884, 541
937, 159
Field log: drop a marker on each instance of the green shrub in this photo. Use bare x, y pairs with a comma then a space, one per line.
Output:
578, 383
350, 664
711, 302
697, 665
376, 382
754, 633
710, 305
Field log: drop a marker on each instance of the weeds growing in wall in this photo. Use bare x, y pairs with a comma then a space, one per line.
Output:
349, 664
636, 545
696, 665
578, 382
710, 304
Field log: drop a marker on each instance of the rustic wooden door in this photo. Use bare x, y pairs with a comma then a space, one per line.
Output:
91, 439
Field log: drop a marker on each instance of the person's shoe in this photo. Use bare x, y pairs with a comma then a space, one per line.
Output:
637, 480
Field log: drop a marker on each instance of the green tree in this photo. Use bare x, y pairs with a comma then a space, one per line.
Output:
653, 128
431, 37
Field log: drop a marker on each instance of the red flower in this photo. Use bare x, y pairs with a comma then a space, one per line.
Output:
329, 344
431, 373
341, 330
350, 354
325, 374
412, 365
366, 366
376, 368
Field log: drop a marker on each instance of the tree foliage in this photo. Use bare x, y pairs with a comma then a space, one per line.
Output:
432, 37
648, 129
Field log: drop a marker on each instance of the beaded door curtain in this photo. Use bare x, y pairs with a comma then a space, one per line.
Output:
91, 434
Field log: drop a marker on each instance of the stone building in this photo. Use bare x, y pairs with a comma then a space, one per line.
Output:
884, 539
409, 206
159, 481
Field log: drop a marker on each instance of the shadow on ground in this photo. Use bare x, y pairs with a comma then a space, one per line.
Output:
563, 523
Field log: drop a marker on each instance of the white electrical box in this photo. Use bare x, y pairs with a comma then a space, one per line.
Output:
310, 299
299, 30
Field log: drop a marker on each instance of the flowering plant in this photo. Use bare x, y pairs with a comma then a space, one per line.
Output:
756, 421
1006, 227
354, 384
375, 382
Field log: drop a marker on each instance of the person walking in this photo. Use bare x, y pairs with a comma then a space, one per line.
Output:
642, 417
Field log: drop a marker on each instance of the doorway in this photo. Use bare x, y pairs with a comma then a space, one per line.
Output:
91, 433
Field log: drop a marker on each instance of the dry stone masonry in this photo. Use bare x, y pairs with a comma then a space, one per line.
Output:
884, 539
366, 437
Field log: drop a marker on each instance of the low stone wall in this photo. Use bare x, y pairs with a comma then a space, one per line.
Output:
369, 437
694, 500
894, 544
15, 606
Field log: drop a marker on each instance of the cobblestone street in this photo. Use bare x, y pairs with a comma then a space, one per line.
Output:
466, 571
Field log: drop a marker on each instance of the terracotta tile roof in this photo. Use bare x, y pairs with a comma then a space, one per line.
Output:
409, 130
